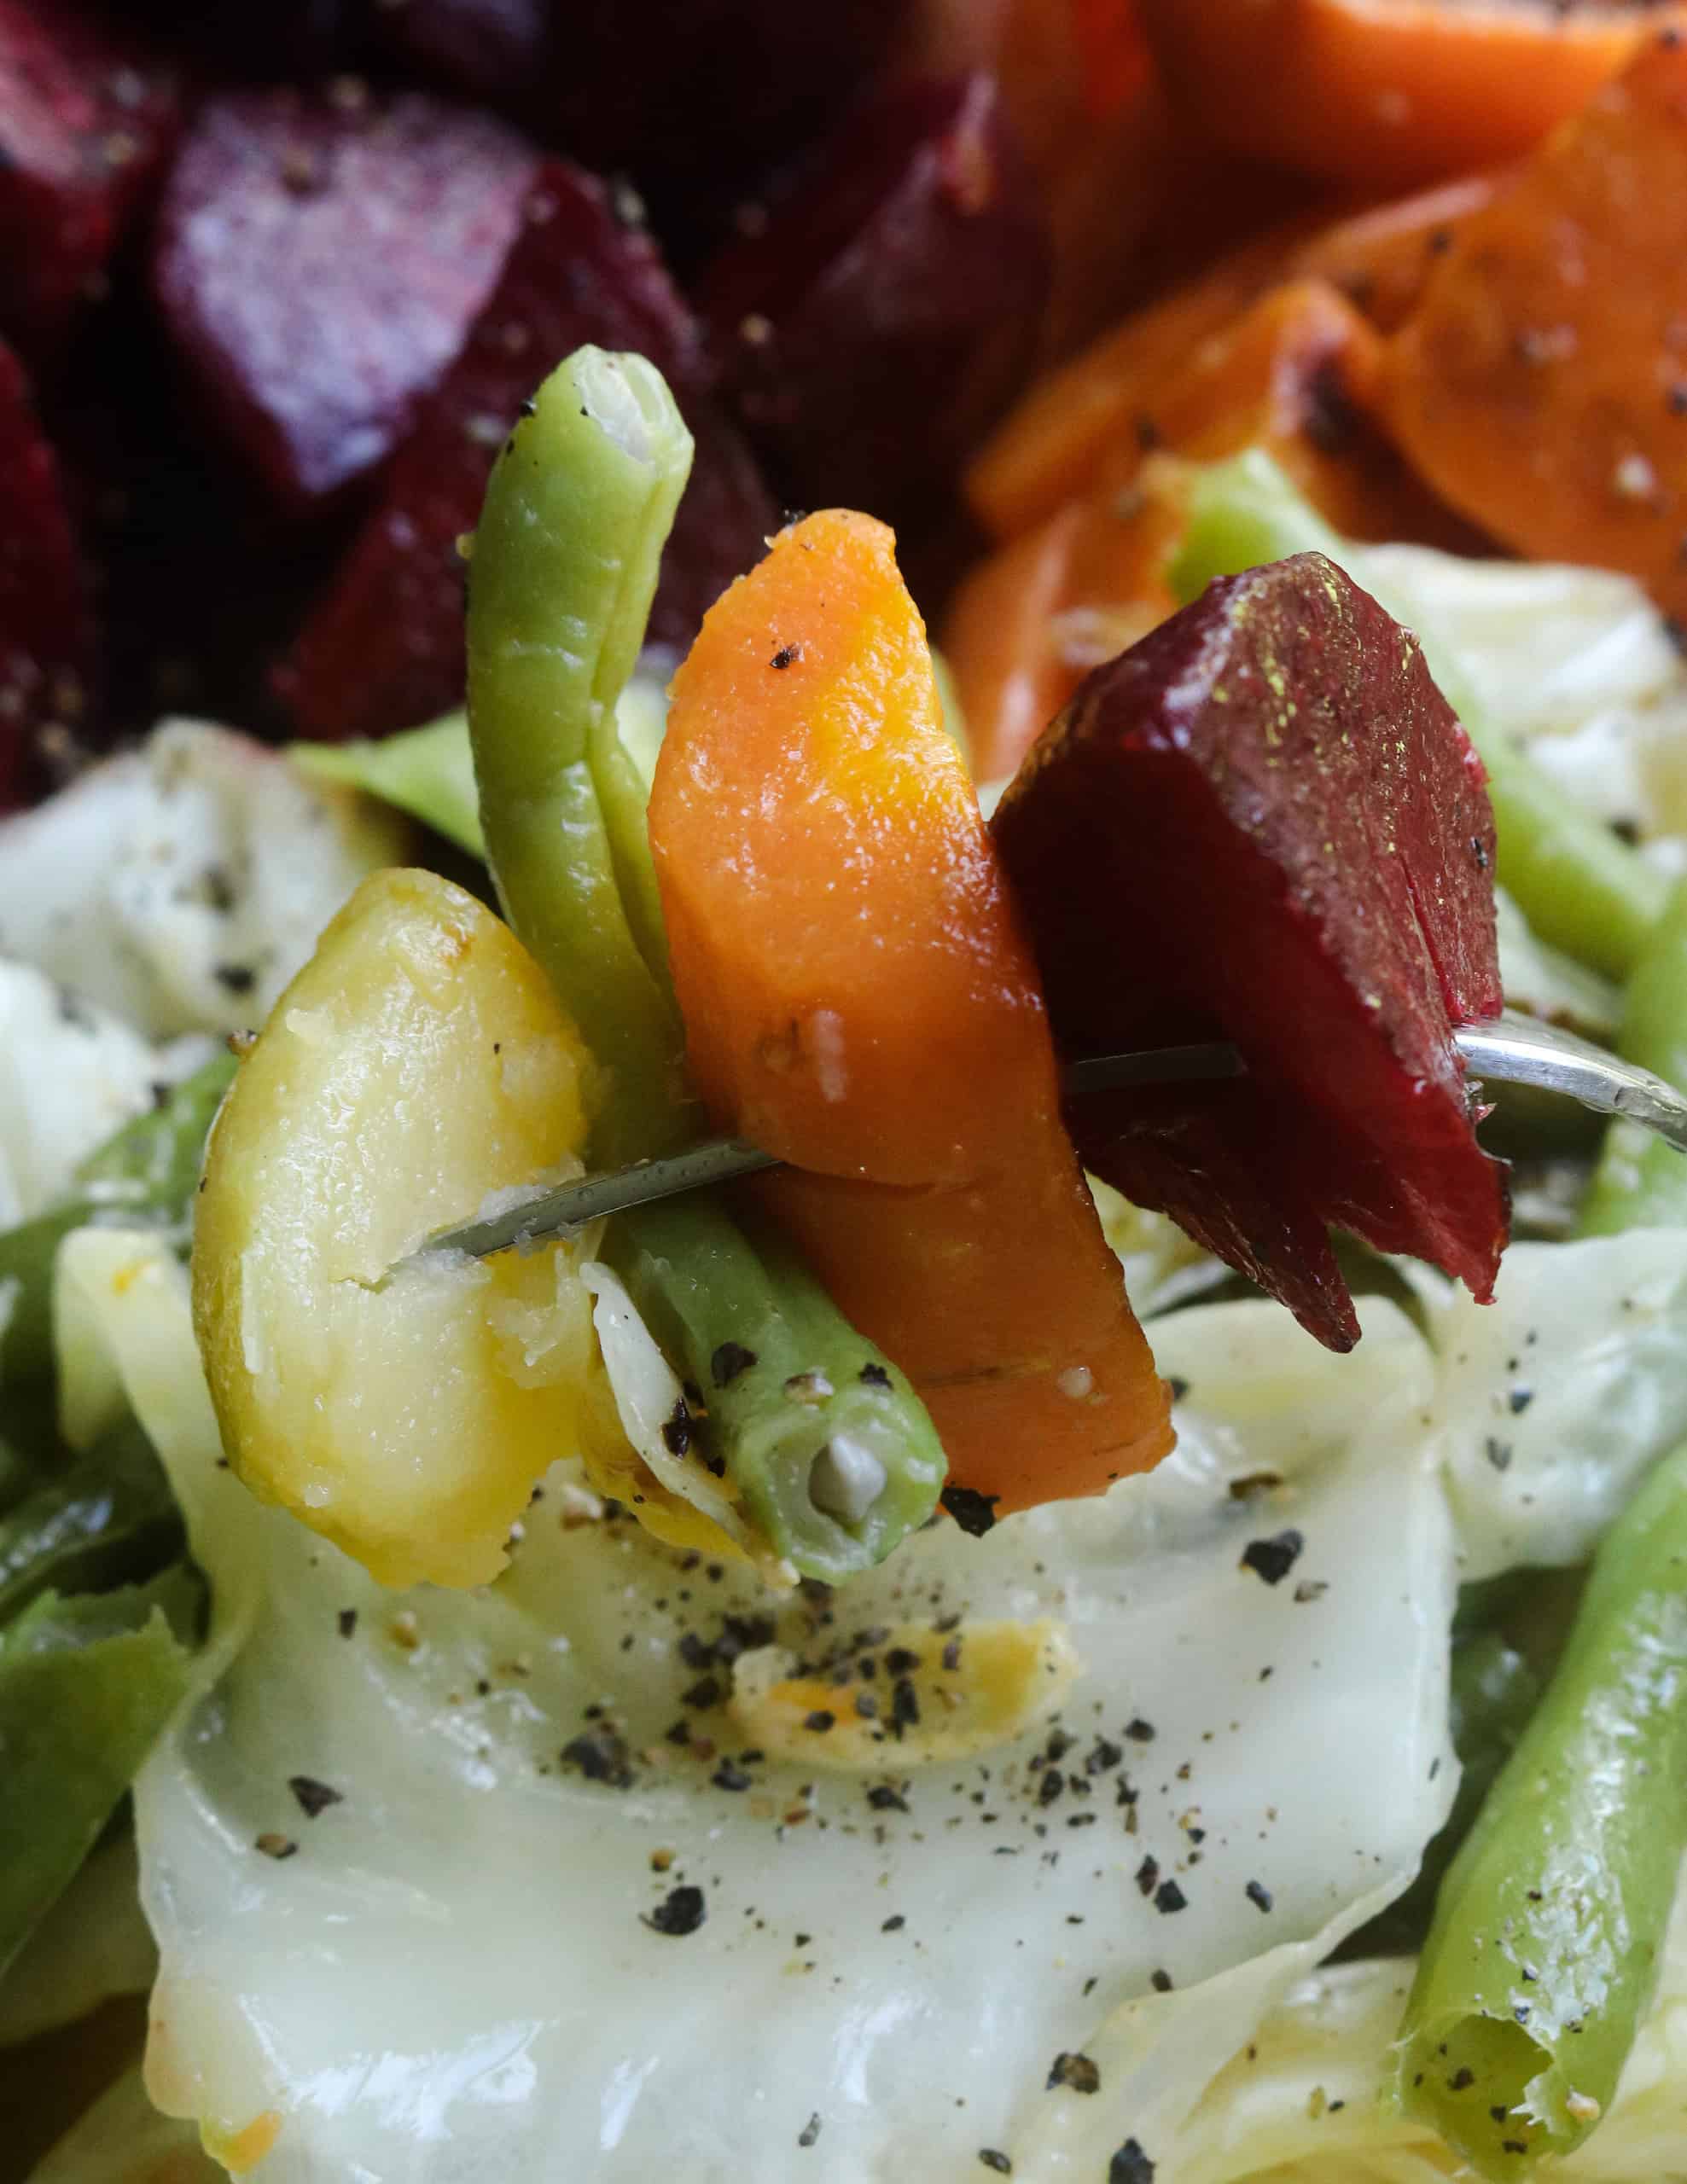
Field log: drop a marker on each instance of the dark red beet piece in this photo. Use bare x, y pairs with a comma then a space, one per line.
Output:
1264, 823
46, 636
319, 259
498, 51
889, 307
86, 117
384, 648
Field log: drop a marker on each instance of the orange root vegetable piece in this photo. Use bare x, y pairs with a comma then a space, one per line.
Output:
1541, 386
1027, 626
1045, 451
1388, 94
859, 999
1297, 374
1380, 258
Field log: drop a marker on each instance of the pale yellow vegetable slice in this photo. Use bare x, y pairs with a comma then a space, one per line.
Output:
417, 1064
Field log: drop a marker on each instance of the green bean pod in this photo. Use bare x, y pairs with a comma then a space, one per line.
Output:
564, 567
1641, 1181
1581, 887
833, 1467
833, 1455
1547, 1929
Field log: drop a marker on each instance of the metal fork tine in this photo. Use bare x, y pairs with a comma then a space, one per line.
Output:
1513, 1050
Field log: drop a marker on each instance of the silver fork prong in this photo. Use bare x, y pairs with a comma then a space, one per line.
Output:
1514, 1049
1523, 1050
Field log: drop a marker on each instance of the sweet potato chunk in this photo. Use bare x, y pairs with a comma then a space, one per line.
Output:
1264, 823
1388, 94
383, 649
1541, 386
319, 260
85, 119
859, 997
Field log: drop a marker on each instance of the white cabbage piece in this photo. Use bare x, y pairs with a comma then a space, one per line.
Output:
71, 1074
1297, 2103
452, 1978
181, 883
1575, 662
1552, 1402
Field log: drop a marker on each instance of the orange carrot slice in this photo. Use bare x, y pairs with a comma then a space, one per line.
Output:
1044, 452
1542, 385
1388, 94
1028, 624
859, 999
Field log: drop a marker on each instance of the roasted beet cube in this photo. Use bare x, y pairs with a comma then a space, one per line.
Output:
45, 632
497, 51
319, 259
85, 119
888, 308
384, 648
1263, 823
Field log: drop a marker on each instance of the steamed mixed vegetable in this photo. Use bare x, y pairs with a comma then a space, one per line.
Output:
1075, 1733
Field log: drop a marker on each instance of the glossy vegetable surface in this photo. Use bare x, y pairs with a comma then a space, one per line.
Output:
1547, 1928
418, 1062
1264, 823
859, 999
1537, 386
1582, 888
566, 560
1641, 1181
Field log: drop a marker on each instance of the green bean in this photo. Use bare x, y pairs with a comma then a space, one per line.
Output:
97, 1519
87, 1684
562, 574
1548, 1927
1582, 889
145, 1176
836, 1459
1641, 1181
563, 570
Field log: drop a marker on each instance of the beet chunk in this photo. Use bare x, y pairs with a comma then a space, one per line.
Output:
45, 630
1264, 823
85, 119
320, 258
384, 648
889, 308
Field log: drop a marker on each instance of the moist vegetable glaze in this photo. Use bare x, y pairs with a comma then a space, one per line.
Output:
917, 1664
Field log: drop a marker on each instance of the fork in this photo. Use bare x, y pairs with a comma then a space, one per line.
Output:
1510, 1048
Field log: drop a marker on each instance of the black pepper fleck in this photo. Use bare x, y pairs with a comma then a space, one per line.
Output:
682, 1911
874, 1376
1129, 2165
819, 1720
313, 1797
1077, 2073
601, 1755
883, 1798
1169, 1897
1273, 1559
726, 1776
988, 2157
1257, 1892
1148, 1873
676, 1430
974, 1513
785, 655
729, 1362
894, 1923
809, 2132
1139, 1731
1161, 1982
1498, 1452
347, 1620
905, 1707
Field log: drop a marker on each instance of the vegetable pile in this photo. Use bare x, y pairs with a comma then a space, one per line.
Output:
810, 1589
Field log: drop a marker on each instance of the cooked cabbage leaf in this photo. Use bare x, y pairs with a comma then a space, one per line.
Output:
481, 1960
